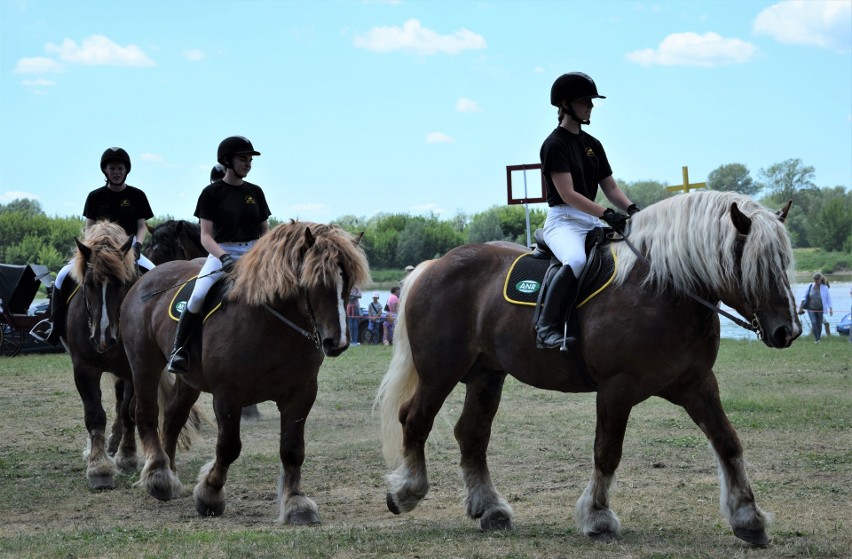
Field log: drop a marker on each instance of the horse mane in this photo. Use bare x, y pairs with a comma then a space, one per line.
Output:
282, 262
692, 243
106, 240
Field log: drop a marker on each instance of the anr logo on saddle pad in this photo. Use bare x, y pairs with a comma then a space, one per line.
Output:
211, 303
528, 286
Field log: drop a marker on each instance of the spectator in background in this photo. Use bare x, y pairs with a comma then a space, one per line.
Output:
353, 313
374, 311
392, 307
816, 301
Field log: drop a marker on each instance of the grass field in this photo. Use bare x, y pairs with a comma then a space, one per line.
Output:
792, 409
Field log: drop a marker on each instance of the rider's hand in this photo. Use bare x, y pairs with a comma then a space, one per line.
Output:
632, 209
137, 248
228, 262
616, 220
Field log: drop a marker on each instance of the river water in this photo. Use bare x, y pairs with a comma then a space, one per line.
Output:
841, 302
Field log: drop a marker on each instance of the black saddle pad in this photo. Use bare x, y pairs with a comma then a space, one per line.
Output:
525, 276
212, 303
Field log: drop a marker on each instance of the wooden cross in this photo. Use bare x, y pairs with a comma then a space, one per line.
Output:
686, 186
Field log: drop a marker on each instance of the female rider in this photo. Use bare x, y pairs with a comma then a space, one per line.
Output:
233, 215
573, 165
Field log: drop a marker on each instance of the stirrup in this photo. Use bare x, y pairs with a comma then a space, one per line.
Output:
38, 332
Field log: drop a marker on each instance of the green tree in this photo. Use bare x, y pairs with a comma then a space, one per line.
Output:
484, 227
733, 177
786, 178
24, 206
830, 226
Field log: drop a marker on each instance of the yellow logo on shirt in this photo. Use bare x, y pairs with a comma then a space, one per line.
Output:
125, 203
250, 200
590, 152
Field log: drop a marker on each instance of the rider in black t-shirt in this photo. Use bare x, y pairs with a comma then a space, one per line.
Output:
573, 165
118, 202
233, 215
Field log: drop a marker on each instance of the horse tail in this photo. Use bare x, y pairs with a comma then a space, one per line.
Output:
197, 418
400, 381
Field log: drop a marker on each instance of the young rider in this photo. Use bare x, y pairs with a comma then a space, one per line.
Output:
118, 202
573, 164
233, 215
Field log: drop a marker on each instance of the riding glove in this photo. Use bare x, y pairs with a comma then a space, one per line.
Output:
616, 220
632, 209
228, 262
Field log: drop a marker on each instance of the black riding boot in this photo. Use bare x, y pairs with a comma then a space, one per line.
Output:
559, 300
179, 360
50, 330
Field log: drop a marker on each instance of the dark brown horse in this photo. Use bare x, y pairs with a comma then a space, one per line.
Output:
640, 337
285, 311
104, 268
174, 240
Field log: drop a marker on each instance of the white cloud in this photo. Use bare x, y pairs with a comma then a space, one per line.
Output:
98, 50
465, 105
438, 138
40, 82
153, 158
429, 208
194, 55
413, 37
12, 195
692, 49
820, 23
37, 65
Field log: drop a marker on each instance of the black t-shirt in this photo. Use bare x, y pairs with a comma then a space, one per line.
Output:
236, 211
125, 207
581, 154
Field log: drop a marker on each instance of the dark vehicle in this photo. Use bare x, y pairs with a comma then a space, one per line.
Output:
18, 287
845, 323
367, 335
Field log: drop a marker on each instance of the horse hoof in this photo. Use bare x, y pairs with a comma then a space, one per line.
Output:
101, 482
210, 510
755, 537
392, 504
495, 519
304, 518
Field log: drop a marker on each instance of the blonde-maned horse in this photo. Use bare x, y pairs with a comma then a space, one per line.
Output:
284, 313
641, 337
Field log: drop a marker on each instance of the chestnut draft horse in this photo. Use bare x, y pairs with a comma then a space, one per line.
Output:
104, 269
285, 310
174, 240
719, 246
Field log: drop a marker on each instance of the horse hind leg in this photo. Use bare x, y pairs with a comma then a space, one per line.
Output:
473, 431
117, 430
736, 500
126, 459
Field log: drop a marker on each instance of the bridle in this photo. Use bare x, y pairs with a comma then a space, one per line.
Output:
312, 336
753, 326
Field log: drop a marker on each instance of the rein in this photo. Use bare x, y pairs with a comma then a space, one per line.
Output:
754, 326
313, 337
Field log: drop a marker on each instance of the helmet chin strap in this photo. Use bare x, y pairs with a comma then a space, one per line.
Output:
570, 111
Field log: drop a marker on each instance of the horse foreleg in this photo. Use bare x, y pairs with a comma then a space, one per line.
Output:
736, 498
126, 459
209, 492
592, 514
408, 484
294, 507
100, 469
157, 476
473, 432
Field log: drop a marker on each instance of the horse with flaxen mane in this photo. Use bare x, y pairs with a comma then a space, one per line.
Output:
645, 335
285, 311
104, 269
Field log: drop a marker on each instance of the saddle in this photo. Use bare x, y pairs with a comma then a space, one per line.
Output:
525, 279
212, 303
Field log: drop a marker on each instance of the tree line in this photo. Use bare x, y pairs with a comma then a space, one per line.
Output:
821, 218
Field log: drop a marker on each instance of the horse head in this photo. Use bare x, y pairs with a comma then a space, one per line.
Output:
174, 240
763, 293
105, 269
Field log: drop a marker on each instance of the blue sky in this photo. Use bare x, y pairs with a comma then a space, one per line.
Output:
362, 107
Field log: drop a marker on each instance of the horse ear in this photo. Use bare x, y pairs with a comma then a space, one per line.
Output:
782, 213
179, 227
309, 238
84, 250
358, 238
741, 221
126, 246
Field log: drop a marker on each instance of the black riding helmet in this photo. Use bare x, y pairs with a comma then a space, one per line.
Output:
234, 145
217, 172
574, 85
115, 154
